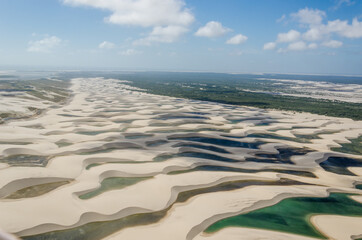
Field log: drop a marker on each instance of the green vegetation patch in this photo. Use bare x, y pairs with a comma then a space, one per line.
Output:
276, 136
229, 89
36, 190
354, 147
292, 215
25, 160
61, 144
113, 183
214, 168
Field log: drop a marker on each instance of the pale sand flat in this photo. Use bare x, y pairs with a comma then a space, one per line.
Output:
232, 233
338, 227
357, 198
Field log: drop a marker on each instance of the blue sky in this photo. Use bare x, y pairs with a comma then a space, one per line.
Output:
286, 36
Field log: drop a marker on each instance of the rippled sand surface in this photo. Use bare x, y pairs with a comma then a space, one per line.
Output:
116, 163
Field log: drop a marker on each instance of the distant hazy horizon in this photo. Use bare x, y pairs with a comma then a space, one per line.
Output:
3, 70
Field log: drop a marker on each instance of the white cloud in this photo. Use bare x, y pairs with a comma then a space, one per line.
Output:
145, 13
168, 18
212, 29
309, 16
106, 45
314, 34
332, 44
317, 33
130, 52
167, 34
290, 36
269, 46
344, 29
297, 46
292, 46
44, 45
312, 45
336, 26
281, 50
354, 30
238, 39
339, 27
340, 3
281, 19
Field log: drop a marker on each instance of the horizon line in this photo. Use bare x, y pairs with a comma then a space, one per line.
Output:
103, 69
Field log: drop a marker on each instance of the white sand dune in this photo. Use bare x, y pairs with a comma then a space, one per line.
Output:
110, 132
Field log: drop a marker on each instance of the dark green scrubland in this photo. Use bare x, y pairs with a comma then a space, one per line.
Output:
230, 92
230, 89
